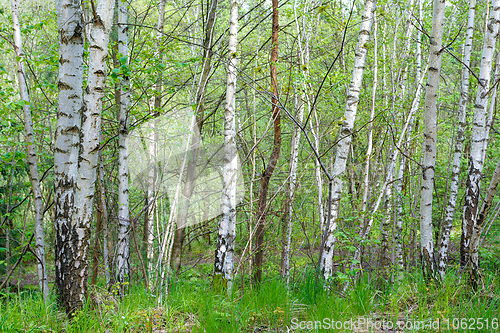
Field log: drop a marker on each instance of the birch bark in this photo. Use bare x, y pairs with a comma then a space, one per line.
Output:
123, 250
224, 252
479, 132
90, 135
457, 155
66, 147
31, 153
152, 150
343, 146
430, 139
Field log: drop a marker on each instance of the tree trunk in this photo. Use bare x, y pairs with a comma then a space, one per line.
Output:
268, 172
430, 139
31, 153
66, 149
457, 156
478, 227
344, 144
152, 151
123, 250
476, 160
224, 251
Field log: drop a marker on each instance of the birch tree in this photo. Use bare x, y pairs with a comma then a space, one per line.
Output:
430, 138
479, 132
224, 251
457, 155
123, 250
152, 149
345, 132
66, 149
31, 153
74, 207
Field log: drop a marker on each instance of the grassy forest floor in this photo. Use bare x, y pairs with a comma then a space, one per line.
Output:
414, 305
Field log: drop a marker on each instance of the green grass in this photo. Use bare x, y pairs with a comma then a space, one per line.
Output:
192, 306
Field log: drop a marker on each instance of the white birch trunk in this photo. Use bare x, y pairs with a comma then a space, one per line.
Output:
123, 250
457, 155
294, 158
151, 202
491, 108
152, 149
430, 138
224, 252
31, 153
369, 149
479, 132
90, 135
66, 145
343, 146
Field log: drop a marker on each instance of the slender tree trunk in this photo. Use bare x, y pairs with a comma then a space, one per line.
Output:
268, 172
152, 151
300, 101
66, 148
224, 251
430, 139
369, 149
31, 153
90, 136
151, 201
479, 133
385, 260
457, 156
200, 115
343, 146
288, 215
478, 227
123, 250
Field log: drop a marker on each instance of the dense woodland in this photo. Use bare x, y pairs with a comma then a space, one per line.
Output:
235, 165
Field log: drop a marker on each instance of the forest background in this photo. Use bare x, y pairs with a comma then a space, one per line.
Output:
364, 183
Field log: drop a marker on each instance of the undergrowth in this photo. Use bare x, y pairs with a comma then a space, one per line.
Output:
306, 306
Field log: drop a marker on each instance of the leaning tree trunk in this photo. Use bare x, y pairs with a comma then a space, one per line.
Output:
66, 148
476, 160
31, 153
430, 139
344, 144
464, 93
123, 250
268, 172
224, 252
90, 136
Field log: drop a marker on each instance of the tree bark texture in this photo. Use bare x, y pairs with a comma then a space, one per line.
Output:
430, 139
476, 158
